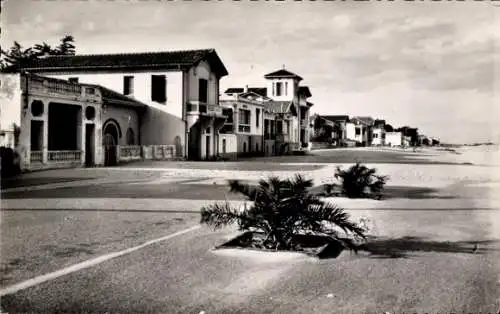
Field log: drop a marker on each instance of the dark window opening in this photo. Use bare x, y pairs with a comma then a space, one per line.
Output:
358, 131
279, 87
73, 80
257, 117
128, 85
158, 88
203, 90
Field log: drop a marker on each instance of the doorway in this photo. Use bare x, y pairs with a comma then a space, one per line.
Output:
89, 145
207, 146
110, 140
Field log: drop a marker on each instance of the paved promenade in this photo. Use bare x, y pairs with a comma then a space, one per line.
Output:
128, 239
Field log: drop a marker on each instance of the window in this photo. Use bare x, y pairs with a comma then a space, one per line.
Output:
228, 112
223, 145
279, 127
244, 116
130, 137
358, 131
203, 90
257, 117
128, 85
73, 80
158, 88
257, 147
279, 87
286, 88
244, 120
375, 135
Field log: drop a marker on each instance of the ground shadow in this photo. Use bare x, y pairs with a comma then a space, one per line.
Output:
402, 247
391, 192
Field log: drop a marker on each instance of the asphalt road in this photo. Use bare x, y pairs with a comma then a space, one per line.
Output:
421, 261
183, 275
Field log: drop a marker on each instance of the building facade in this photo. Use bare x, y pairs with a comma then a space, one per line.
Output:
285, 113
244, 129
393, 138
180, 87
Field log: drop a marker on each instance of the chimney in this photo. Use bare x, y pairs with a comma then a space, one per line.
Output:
245, 89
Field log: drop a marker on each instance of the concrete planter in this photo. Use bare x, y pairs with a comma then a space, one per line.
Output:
316, 246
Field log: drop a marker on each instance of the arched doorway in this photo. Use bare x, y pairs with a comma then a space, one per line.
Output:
110, 140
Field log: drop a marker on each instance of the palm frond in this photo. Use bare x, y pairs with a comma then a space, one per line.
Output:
219, 215
247, 190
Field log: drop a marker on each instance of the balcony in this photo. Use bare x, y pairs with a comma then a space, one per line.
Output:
61, 88
269, 136
227, 128
199, 107
244, 128
283, 137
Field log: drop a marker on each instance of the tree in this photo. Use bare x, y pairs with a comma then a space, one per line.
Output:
66, 47
280, 210
388, 128
43, 49
14, 58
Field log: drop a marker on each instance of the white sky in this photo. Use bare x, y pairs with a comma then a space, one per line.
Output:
426, 64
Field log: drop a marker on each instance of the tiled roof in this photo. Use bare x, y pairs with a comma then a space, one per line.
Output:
237, 90
336, 118
365, 120
148, 60
234, 90
305, 90
253, 95
282, 74
111, 97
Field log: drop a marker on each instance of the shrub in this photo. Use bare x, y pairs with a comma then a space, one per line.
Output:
360, 181
280, 210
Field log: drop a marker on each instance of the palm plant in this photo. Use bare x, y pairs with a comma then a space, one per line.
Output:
360, 181
281, 210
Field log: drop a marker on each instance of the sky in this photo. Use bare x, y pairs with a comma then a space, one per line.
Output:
431, 65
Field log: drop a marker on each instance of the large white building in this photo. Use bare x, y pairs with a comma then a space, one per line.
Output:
179, 88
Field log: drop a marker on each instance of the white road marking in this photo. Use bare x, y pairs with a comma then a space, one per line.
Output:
86, 264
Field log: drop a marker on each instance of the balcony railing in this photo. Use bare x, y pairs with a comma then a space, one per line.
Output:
64, 155
245, 128
36, 156
201, 107
269, 136
227, 128
55, 86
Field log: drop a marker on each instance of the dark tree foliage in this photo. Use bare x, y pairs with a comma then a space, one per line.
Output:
16, 56
358, 181
281, 209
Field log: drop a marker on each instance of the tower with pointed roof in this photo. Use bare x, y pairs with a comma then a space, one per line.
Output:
282, 85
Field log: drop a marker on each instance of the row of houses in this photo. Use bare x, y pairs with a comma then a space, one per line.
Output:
92, 110
345, 131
